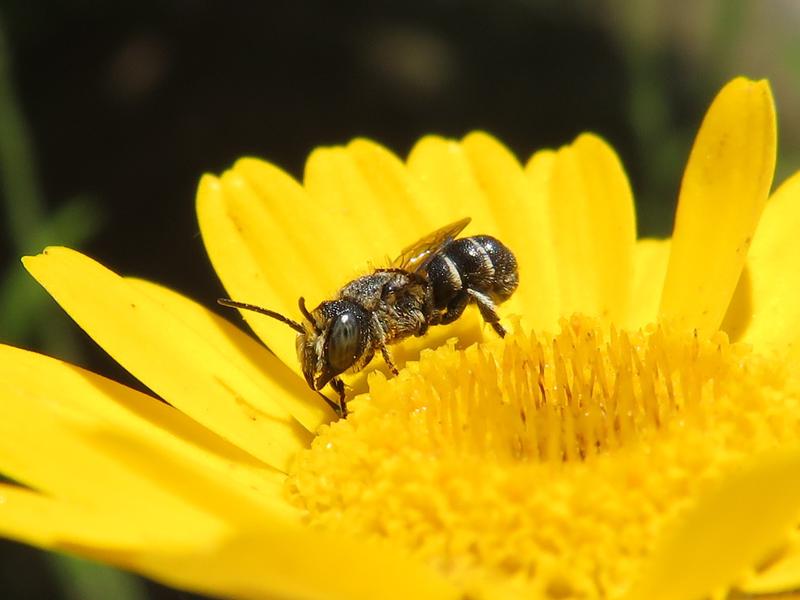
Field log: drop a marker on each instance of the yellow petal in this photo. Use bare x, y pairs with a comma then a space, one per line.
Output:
94, 532
650, 259
349, 200
277, 383
593, 226
164, 352
395, 192
38, 448
179, 474
43, 521
764, 311
724, 189
234, 228
347, 205
103, 407
522, 225
730, 529
290, 562
539, 172
268, 555
444, 174
780, 574
273, 558
282, 560
311, 240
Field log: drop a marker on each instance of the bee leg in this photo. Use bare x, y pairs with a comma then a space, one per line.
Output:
334, 405
338, 386
455, 309
387, 358
488, 312
379, 335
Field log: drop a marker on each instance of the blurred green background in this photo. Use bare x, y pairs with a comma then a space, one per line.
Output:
110, 111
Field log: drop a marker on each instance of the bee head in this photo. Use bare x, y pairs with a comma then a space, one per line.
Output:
335, 338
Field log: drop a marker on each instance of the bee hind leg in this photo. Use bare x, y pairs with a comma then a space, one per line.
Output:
455, 309
488, 311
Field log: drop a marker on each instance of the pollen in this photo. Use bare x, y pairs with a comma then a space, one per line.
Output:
544, 464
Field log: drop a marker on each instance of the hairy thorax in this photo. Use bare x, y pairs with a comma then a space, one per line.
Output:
397, 299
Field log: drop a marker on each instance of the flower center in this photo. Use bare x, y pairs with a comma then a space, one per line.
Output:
499, 462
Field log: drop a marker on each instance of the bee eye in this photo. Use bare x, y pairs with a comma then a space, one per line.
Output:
344, 342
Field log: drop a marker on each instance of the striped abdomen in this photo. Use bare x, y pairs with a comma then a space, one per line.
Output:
480, 263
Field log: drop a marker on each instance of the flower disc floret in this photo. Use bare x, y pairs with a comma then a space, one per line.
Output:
495, 462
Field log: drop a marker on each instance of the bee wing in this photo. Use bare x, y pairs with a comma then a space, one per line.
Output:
414, 257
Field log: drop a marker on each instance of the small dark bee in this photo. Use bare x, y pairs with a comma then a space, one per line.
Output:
430, 283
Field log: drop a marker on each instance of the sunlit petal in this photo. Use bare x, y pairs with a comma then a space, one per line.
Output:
164, 351
764, 310
592, 225
731, 527
91, 407
69, 465
650, 258
44, 521
289, 562
522, 221
724, 189
443, 171
780, 573
278, 384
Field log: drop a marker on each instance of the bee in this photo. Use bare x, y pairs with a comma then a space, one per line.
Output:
430, 283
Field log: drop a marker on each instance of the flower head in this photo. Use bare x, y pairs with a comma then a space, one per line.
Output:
640, 419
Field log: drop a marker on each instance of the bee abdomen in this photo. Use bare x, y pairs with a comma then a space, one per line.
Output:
506, 276
481, 263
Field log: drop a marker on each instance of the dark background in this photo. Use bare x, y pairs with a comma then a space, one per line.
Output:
111, 111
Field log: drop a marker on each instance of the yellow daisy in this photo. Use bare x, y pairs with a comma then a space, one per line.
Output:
634, 437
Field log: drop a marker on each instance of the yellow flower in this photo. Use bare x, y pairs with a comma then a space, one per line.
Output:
634, 437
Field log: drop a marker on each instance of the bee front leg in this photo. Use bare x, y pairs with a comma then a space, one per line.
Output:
387, 358
488, 312
338, 386
379, 335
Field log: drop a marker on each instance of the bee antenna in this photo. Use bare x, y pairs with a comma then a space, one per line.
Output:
301, 302
264, 311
